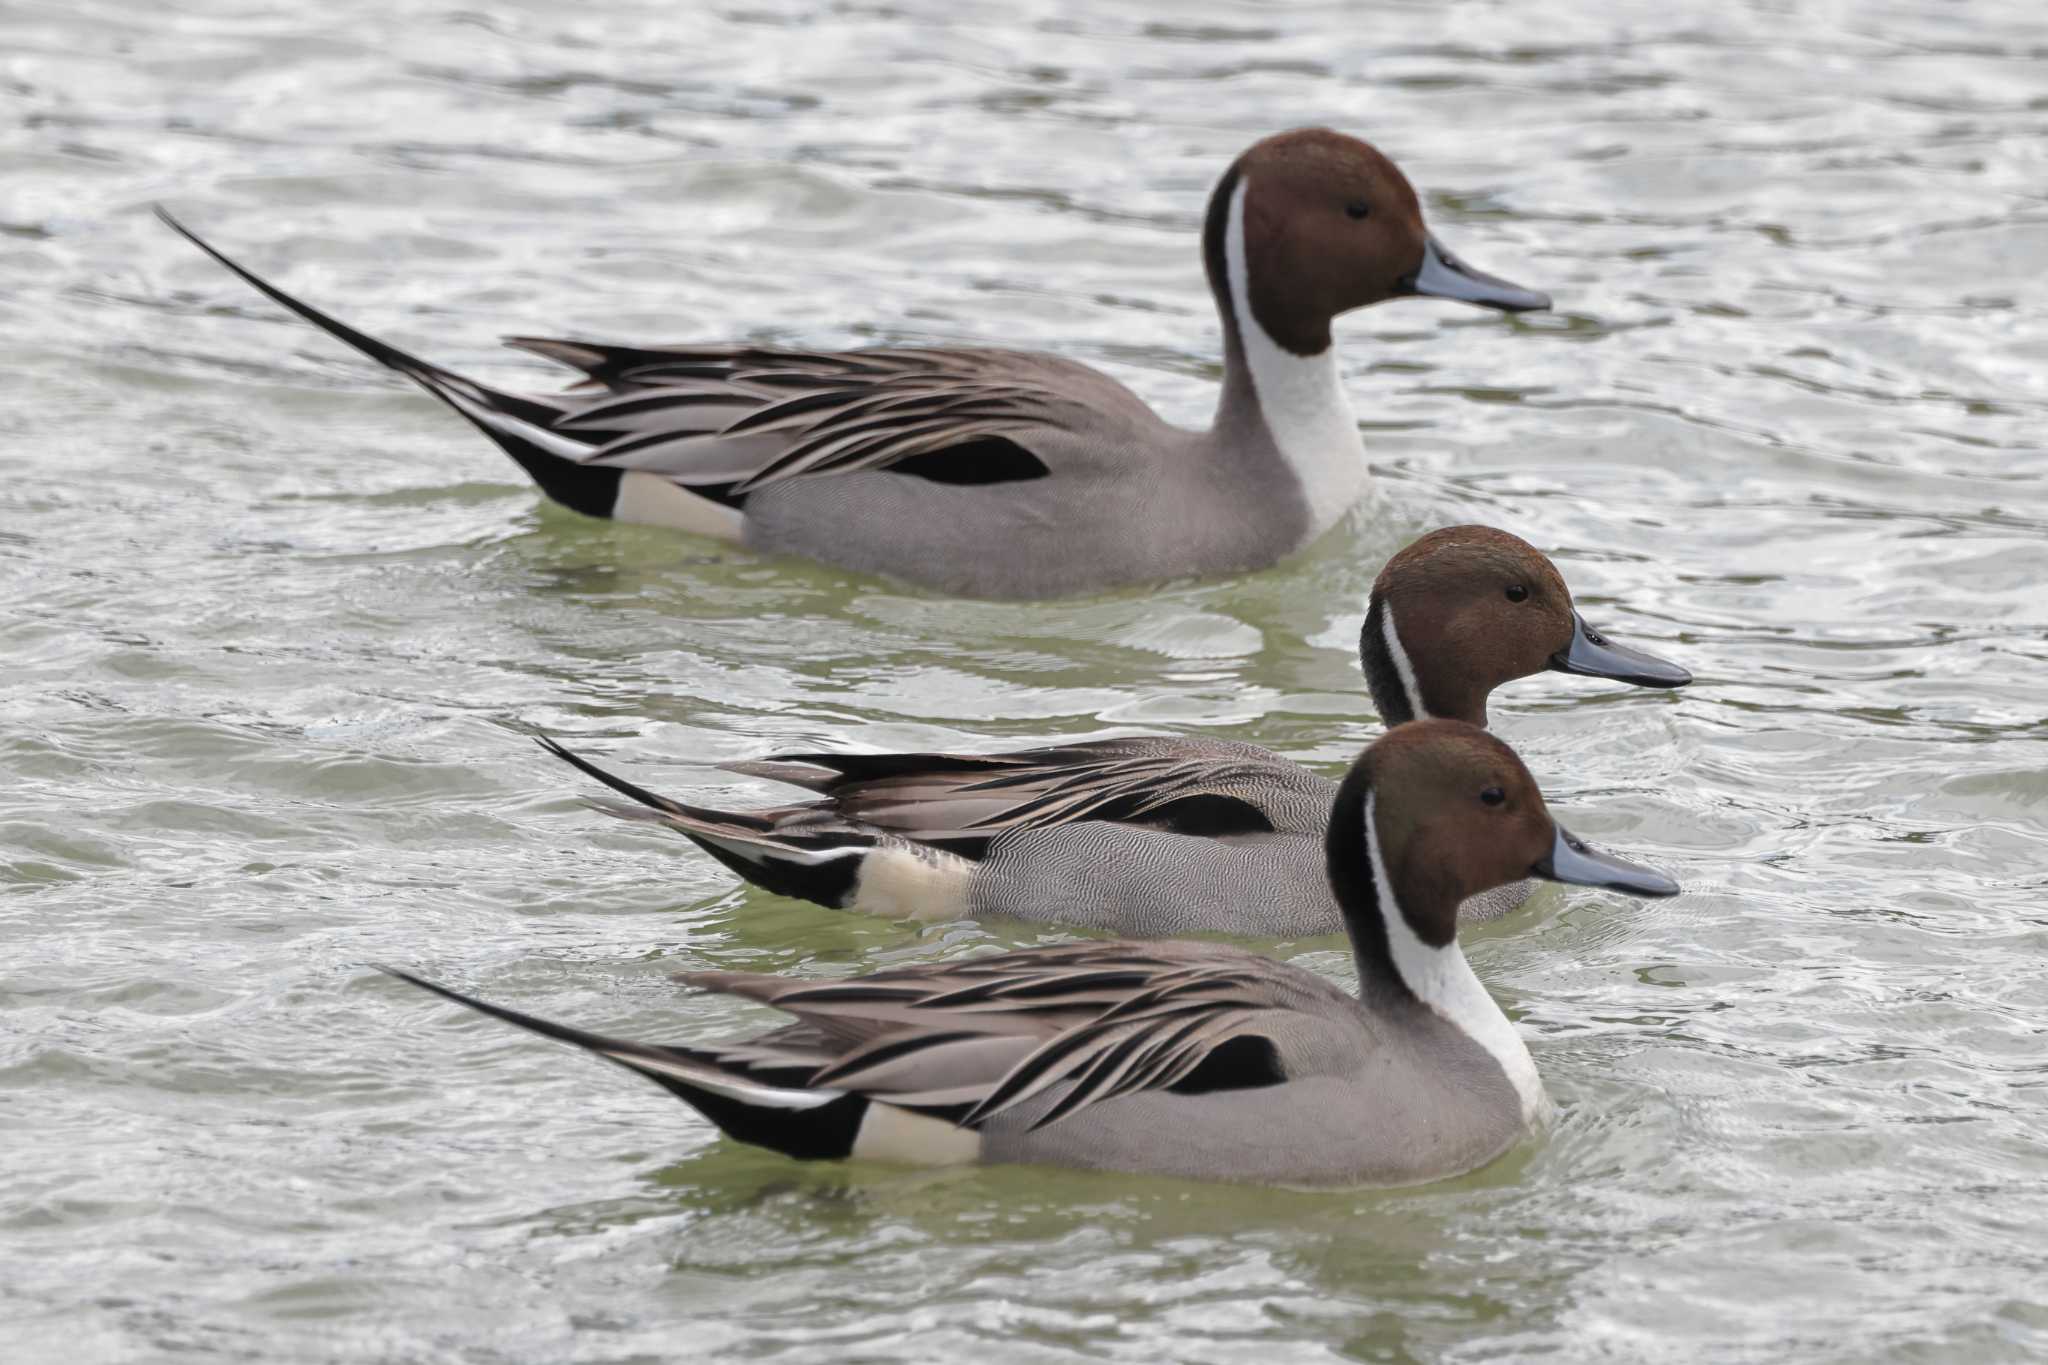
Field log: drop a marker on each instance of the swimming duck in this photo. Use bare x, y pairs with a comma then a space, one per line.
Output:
994, 473
1181, 1058
1154, 836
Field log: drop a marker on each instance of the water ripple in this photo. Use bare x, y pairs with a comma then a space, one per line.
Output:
279, 631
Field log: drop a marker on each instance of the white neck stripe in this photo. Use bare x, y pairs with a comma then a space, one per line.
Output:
1403, 668
1444, 982
1301, 398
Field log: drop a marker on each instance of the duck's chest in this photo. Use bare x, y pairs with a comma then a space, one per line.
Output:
1308, 416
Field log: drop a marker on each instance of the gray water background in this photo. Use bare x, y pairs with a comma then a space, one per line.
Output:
274, 628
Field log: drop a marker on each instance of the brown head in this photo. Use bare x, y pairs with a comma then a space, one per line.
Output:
1450, 812
1330, 224
1467, 608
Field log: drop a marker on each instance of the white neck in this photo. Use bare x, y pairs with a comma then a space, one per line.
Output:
1443, 981
1300, 397
1404, 669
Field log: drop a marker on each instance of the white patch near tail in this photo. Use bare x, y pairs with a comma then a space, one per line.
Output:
1443, 980
891, 1134
650, 500
902, 880
644, 499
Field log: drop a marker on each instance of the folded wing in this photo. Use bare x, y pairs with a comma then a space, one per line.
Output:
726, 422
971, 1041
961, 802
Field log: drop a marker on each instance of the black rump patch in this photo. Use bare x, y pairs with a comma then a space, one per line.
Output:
590, 489
1249, 1062
824, 1132
829, 883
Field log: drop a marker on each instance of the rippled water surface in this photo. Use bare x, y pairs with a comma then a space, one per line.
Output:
275, 628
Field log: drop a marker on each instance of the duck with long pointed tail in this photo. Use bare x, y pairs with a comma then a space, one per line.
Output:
1154, 836
992, 473
1181, 1058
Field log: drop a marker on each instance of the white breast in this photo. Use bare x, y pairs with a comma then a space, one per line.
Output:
1443, 980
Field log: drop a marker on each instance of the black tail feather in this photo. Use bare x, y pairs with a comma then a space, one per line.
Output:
383, 352
613, 780
820, 1132
593, 1042
756, 845
831, 883
590, 489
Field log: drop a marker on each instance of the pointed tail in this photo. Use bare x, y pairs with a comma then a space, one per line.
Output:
522, 427
800, 851
792, 1119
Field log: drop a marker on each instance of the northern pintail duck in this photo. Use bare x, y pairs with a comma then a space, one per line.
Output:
1154, 835
992, 473
1181, 1058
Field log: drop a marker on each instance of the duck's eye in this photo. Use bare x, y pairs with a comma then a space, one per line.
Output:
1357, 208
1517, 593
1493, 796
